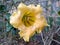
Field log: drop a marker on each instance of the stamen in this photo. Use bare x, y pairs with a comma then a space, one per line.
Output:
28, 19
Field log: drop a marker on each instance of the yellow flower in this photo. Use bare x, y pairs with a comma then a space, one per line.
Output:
28, 19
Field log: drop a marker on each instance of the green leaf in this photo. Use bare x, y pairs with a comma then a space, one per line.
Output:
52, 12
8, 16
46, 29
58, 18
2, 8
8, 27
58, 23
50, 21
14, 31
2, 24
59, 12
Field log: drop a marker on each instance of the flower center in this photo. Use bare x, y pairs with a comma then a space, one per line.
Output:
28, 19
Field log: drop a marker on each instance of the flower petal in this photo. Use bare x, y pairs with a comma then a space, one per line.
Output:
36, 9
23, 8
